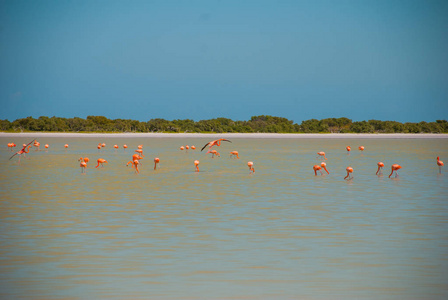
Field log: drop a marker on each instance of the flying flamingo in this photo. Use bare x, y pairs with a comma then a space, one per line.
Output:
395, 168
25, 149
324, 166
317, 168
234, 154
101, 161
380, 168
321, 154
196, 163
214, 143
156, 161
251, 167
349, 171
440, 164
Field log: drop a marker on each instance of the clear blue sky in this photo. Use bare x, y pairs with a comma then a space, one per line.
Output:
385, 60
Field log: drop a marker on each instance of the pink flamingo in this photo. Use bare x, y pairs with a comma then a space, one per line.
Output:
440, 164
395, 168
349, 171
321, 154
380, 168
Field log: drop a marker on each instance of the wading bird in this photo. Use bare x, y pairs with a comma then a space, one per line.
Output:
101, 161
395, 168
380, 168
234, 154
251, 167
321, 154
349, 171
440, 164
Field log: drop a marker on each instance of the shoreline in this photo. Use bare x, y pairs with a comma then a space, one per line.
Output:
233, 135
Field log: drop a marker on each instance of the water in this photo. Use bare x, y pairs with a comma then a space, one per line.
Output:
223, 233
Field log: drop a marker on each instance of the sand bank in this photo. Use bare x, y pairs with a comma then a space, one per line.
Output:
231, 135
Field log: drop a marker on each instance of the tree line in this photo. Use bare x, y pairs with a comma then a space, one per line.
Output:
262, 124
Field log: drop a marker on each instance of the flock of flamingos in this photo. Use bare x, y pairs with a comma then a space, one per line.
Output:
135, 161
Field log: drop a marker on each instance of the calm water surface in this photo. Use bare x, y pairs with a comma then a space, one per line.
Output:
281, 233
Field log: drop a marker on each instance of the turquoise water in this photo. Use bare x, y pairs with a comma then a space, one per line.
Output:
223, 233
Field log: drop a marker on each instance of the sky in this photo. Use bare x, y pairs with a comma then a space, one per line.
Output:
141, 60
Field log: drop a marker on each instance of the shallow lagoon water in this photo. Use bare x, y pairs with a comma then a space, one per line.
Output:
223, 233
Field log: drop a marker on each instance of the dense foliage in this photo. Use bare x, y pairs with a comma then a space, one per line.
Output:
255, 124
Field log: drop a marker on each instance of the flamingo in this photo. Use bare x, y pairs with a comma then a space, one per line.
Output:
317, 168
361, 148
349, 171
321, 154
234, 154
135, 157
440, 164
193, 148
83, 164
156, 161
251, 167
37, 145
348, 149
214, 143
140, 151
135, 163
395, 167
25, 149
214, 152
380, 168
196, 163
101, 161
324, 166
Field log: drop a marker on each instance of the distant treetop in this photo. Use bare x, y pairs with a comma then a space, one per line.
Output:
260, 124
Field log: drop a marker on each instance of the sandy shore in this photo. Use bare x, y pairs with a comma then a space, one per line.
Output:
232, 135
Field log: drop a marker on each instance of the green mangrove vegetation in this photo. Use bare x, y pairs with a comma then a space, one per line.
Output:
262, 124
